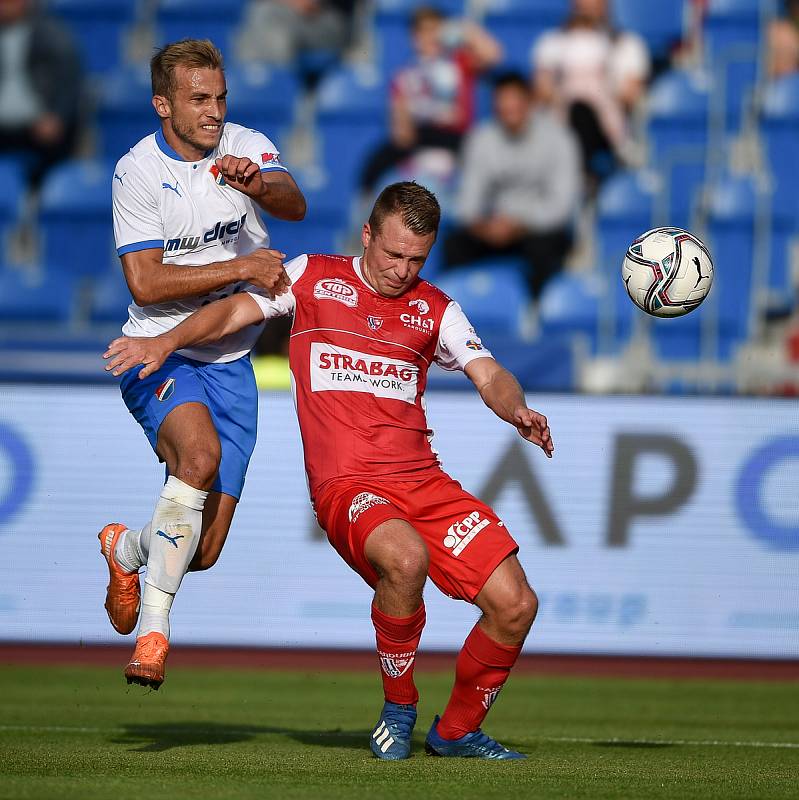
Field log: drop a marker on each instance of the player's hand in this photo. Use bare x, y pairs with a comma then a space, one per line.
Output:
126, 352
242, 174
533, 427
264, 268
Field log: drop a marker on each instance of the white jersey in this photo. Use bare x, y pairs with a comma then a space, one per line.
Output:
162, 201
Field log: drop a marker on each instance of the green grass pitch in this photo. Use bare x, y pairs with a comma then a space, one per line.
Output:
79, 732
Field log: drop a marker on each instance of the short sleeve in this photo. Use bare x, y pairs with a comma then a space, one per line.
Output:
630, 59
458, 342
284, 304
547, 51
249, 143
137, 217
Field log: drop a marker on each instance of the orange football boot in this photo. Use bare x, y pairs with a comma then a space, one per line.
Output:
146, 667
123, 595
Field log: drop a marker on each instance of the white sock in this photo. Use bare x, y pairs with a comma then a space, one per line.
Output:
131, 549
155, 607
174, 534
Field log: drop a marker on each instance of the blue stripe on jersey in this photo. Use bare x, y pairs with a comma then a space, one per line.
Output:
273, 169
165, 148
136, 246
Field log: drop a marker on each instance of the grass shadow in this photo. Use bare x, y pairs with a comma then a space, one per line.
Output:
632, 743
159, 737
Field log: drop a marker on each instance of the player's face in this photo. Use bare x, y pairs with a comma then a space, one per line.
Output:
197, 109
393, 256
512, 107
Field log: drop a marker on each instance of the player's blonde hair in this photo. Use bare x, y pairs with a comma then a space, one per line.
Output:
417, 206
190, 53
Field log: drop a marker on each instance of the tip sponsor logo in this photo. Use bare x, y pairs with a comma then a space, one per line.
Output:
336, 289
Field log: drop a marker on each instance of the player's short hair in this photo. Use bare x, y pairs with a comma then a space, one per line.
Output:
190, 53
417, 206
423, 14
511, 78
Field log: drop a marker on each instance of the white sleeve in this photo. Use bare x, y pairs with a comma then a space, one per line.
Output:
547, 51
283, 305
630, 59
137, 218
252, 144
458, 342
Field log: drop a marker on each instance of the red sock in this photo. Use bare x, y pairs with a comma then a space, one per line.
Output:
481, 670
397, 641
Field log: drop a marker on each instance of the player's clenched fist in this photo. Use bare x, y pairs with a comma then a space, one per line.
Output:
241, 173
264, 268
126, 352
533, 427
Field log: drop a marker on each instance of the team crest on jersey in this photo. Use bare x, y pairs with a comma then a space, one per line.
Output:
422, 306
336, 289
165, 390
217, 175
375, 323
395, 665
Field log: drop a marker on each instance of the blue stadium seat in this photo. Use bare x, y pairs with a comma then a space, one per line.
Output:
659, 24
262, 97
494, 295
110, 298
351, 119
571, 304
779, 127
678, 131
731, 233
732, 32
626, 208
98, 27
199, 19
75, 218
392, 19
325, 221
125, 113
518, 23
42, 296
12, 179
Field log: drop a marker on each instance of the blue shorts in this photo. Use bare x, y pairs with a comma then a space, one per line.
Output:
227, 390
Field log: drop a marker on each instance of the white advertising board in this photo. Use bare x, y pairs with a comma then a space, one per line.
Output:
661, 526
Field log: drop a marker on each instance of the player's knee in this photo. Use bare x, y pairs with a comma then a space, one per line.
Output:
519, 612
199, 467
408, 565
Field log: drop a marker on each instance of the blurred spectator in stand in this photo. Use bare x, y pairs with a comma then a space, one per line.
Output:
594, 76
783, 41
520, 187
40, 87
432, 100
310, 33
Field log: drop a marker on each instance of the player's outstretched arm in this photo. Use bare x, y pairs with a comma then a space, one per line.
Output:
502, 394
274, 191
151, 281
210, 323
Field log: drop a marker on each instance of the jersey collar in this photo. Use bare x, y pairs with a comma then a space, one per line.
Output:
168, 150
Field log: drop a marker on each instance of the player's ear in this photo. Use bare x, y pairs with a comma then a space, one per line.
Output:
366, 235
162, 106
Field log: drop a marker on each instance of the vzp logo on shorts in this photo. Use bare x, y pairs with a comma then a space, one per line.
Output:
336, 289
459, 534
364, 501
165, 390
395, 665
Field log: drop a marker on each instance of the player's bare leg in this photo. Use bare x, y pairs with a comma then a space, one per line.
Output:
509, 607
188, 443
401, 560
217, 518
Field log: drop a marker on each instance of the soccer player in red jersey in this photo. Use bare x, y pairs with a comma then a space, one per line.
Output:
365, 332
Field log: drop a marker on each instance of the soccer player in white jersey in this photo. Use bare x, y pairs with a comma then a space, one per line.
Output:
186, 203
365, 331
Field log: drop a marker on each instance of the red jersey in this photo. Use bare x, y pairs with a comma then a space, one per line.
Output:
359, 365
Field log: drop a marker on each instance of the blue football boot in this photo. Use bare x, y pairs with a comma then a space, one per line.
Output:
391, 738
474, 745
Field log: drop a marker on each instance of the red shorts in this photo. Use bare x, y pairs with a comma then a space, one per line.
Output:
465, 539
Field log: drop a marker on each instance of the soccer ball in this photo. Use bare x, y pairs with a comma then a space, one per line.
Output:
667, 272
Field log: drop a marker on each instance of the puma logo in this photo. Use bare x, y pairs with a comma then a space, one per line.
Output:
171, 539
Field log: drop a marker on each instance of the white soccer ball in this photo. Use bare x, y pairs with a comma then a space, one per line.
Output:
667, 272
